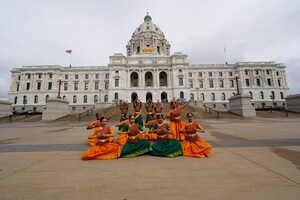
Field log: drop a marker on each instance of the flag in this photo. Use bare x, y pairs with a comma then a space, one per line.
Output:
69, 51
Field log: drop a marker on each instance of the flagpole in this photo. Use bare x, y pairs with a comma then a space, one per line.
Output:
225, 56
70, 59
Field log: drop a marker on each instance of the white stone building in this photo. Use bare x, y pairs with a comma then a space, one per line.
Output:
148, 71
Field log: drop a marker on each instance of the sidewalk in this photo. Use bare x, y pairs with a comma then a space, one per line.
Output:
251, 159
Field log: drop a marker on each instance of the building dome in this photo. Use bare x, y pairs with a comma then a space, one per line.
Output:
148, 38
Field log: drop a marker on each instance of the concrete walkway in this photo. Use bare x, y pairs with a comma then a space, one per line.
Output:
251, 159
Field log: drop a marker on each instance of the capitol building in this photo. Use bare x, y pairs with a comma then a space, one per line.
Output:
148, 71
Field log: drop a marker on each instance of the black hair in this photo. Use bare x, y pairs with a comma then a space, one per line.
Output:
189, 114
102, 118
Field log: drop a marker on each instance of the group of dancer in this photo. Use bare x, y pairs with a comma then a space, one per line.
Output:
157, 137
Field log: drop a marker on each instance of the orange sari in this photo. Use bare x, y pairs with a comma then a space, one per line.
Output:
175, 122
103, 149
193, 145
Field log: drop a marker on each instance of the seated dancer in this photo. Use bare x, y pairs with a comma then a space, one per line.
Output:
135, 145
95, 124
150, 135
124, 122
165, 146
175, 118
158, 106
149, 107
193, 145
137, 105
104, 148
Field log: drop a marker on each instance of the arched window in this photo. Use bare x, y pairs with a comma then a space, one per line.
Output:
223, 96
261, 95
181, 95
134, 79
233, 94
85, 99
212, 97
16, 100
272, 95
281, 95
250, 93
47, 97
148, 79
64, 97
95, 98
25, 99
116, 96
202, 97
74, 99
106, 98
192, 96
36, 99
163, 79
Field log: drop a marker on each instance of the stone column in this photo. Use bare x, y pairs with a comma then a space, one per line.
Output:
5, 108
241, 105
55, 108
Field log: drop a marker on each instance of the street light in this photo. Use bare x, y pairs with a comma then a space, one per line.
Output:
197, 93
100, 90
59, 85
237, 84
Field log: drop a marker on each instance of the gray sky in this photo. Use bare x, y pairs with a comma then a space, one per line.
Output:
35, 32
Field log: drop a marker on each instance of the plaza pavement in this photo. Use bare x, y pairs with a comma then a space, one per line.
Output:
251, 159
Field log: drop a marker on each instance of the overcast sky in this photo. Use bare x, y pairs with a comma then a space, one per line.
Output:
35, 32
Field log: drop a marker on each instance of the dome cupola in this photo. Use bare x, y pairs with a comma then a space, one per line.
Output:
148, 38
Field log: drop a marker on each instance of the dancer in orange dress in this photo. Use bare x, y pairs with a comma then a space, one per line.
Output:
193, 145
104, 148
149, 107
175, 118
95, 125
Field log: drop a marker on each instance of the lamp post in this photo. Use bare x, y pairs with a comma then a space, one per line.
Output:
197, 93
59, 85
237, 84
100, 90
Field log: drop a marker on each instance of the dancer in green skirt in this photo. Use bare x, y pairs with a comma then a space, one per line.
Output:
165, 146
135, 144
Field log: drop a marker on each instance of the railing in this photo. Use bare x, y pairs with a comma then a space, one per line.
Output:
209, 110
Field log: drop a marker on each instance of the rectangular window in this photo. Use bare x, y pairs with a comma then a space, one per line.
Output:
96, 85
231, 83
200, 84
221, 83
269, 82
230, 73
116, 82
97, 76
279, 83
39, 85
50, 86
180, 81
76, 76
86, 76
106, 75
211, 84
40, 75
190, 74
19, 77
247, 82
106, 85
75, 86
256, 72
18, 87
27, 86
220, 74
66, 76
268, 72
258, 82
191, 84
65, 86
86, 86
200, 74
51, 76
277, 73
210, 74
28, 76
246, 72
